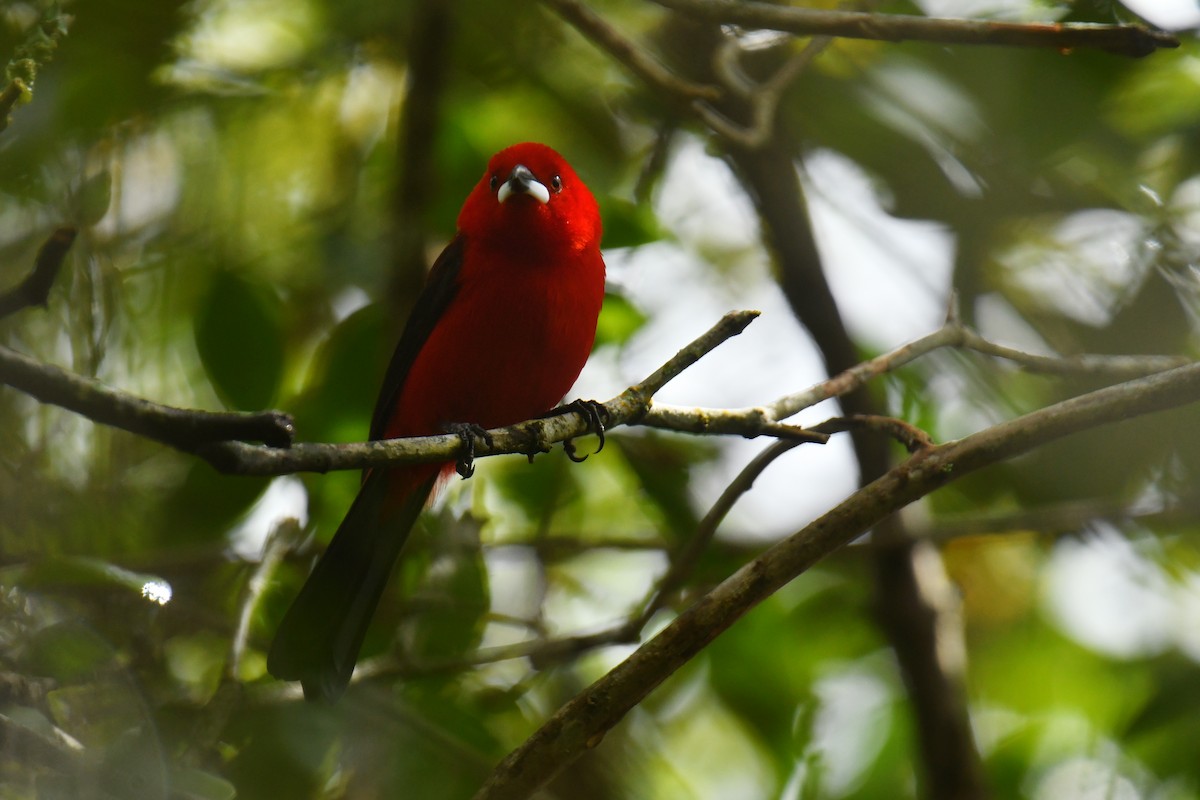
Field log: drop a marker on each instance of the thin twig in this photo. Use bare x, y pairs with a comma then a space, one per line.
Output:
764, 98
684, 562
913, 438
1128, 40
858, 376
597, 30
953, 333
726, 328
1078, 365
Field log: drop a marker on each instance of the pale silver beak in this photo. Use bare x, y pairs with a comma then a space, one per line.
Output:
522, 181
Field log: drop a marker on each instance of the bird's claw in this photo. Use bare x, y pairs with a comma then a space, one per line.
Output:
468, 432
596, 415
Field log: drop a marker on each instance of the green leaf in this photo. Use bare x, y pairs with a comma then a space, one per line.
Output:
67, 652
94, 198
662, 465
240, 341
346, 372
619, 321
196, 662
196, 784
205, 504
628, 224
452, 597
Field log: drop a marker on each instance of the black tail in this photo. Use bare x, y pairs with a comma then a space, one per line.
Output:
320, 636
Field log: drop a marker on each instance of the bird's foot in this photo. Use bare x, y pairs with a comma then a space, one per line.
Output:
468, 432
596, 415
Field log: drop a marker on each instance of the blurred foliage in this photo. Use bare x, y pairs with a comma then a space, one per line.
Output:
232, 164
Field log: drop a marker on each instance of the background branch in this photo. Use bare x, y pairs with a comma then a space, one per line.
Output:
34, 290
185, 429
645, 66
1127, 40
430, 45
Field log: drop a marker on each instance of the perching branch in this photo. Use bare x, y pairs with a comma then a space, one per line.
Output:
221, 437
529, 437
582, 722
1128, 40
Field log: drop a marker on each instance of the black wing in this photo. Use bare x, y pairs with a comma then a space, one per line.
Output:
440, 288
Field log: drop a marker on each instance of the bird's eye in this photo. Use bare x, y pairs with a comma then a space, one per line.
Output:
495, 181
556, 183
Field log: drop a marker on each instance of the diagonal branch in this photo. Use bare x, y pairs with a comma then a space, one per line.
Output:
584, 720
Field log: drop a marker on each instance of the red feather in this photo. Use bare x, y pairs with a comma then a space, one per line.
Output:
499, 334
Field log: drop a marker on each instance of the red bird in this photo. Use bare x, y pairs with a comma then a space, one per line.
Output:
498, 335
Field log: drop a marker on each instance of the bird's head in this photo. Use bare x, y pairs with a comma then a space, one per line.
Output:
530, 196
